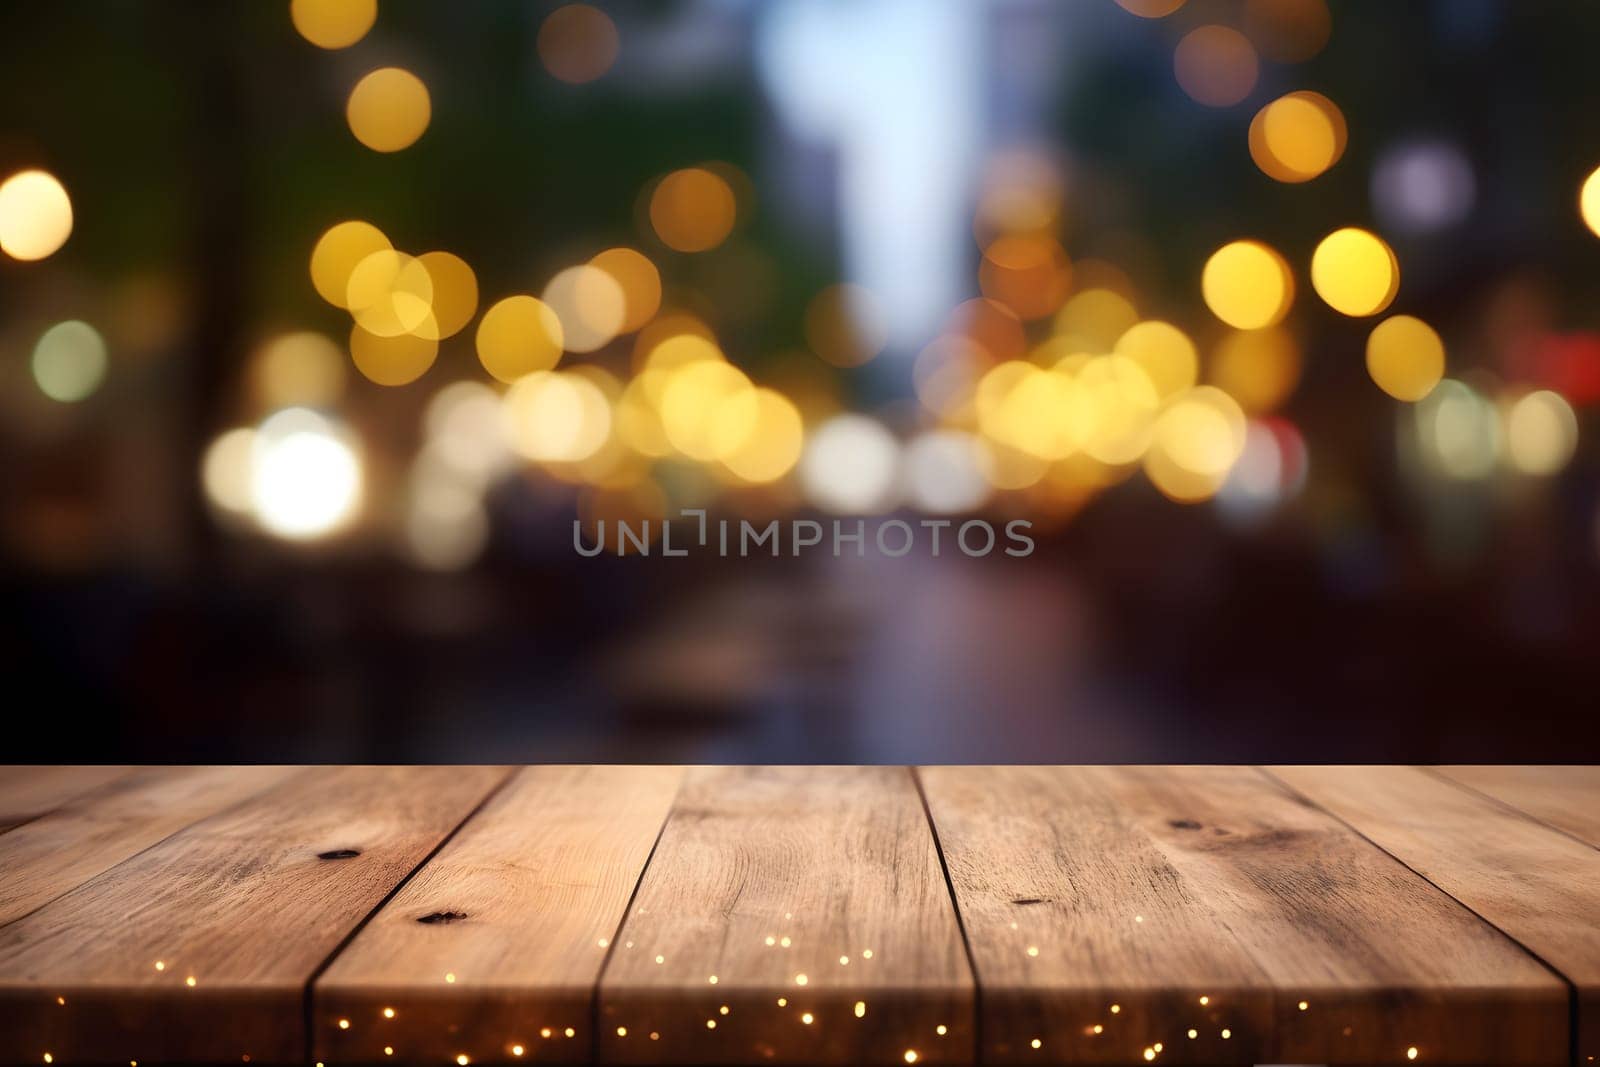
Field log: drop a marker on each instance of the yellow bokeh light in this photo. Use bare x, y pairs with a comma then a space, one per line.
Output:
1164, 353
517, 336
390, 293
774, 443
1298, 136
640, 283
1028, 273
577, 43
1027, 408
299, 368
708, 409
1541, 432
844, 325
69, 361
557, 417
1288, 31
1198, 438
1247, 285
1588, 202
336, 255
35, 215
227, 469
333, 23
1355, 272
1258, 368
392, 360
389, 109
590, 305
664, 327
1216, 65
1095, 318
455, 294
1117, 406
692, 210
1150, 9
1405, 357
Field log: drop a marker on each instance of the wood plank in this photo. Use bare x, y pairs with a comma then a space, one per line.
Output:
1538, 885
28, 792
199, 949
493, 950
779, 895
1567, 798
1118, 898
96, 831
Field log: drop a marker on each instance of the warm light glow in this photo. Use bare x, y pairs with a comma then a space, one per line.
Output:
1216, 65
806, 1017
1298, 136
389, 109
336, 255
692, 210
1411, 1053
1164, 353
850, 466
1288, 31
1150, 9
299, 368
861, 1009
590, 304
1247, 285
1588, 202
557, 417
1541, 432
333, 23
518, 336
639, 281
455, 294
911, 1056
577, 43
306, 480
1405, 357
1093, 320
1258, 368
35, 215
69, 361
397, 360
388, 1013
773, 444
390, 293
1028, 273
708, 409
1355, 272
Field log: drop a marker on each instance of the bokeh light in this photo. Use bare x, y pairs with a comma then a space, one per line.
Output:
305, 476
1405, 357
455, 295
708, 409
336, 255
1164, 353
1459, 431
300, 368
1198, 438
393, 360
1094, 318
1541, 432
577, 43
773, 443
1216, 65
1028, 273
1258, 368
35, 215
227, 471
1422, 186
1117, 405
1247, 285
1588, 202
333, 24
590, 305
69, 361
1150, 9
845, 326
851, 465
640, 283
1298, 136
389, 109
557, 417
1288, 31
692, 210
517, 336
1355, 272
391, 293
943, 473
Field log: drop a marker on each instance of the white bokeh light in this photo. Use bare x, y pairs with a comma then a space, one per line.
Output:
851, 466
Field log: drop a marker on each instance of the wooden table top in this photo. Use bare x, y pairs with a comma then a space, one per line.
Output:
800, 915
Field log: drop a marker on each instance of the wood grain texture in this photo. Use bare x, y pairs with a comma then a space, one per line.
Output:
28, 792
785, 894
1149, 888
1567, 798
248, 903
496, 945
96, 831
1538, 885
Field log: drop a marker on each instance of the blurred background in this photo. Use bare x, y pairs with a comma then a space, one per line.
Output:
321, 322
